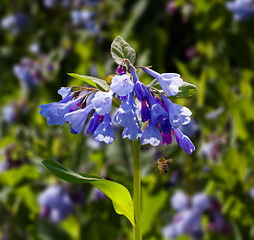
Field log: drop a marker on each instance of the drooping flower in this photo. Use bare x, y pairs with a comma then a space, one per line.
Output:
169, 82
184, 142
122, 85
93, 124
102, 102
105, 132
151, 135
77, 118
178, 115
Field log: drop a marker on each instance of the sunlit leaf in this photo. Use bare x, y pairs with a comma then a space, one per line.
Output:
186, 90
119, 195
96, 82
120, 50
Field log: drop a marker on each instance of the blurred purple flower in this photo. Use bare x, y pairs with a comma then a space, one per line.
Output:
98, 195
251, 192
241, 9
55, 203
200, 202
9, 113
179, 201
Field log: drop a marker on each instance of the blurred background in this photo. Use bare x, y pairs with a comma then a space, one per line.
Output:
206, 195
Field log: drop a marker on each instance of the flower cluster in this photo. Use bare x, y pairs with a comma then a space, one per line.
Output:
32, 72
159, 115
55, 203
188, 219
15, 22
242, 9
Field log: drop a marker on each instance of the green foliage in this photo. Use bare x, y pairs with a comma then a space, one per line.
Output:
96, 82
116, 192
120, 50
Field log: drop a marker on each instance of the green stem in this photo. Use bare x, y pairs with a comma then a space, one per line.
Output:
137, 189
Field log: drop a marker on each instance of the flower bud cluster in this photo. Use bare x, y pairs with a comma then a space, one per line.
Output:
189, 214
161, 117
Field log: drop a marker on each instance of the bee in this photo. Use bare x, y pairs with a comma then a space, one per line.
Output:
162, 164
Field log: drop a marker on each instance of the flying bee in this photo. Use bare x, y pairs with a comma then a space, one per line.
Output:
162, 164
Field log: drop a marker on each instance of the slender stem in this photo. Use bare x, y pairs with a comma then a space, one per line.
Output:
137, 189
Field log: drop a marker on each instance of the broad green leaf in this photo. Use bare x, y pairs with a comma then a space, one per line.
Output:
120, 49
186, 90
119, 195
96, 82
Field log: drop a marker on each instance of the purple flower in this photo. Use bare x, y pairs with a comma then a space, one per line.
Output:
157, 112
55, 203
170, 231
242, 9
77, 118
200, 202
169, 82
102, 102
99, 195
177, 114
122, 85
145, 111
184, 142
54, 112
140, 91
93, 124
179, 201
251, 192
9, 113
151, 135
105, 132
166, 139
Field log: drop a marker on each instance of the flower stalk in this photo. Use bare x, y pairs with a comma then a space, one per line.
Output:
137, 189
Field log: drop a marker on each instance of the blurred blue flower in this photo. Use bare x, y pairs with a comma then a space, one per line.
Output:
49, 3
9, 113
200, 201
98, 195
55, 203
15, 22
242, 9
251, 192
179, 201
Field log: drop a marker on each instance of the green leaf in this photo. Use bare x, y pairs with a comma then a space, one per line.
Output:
119, 195
120, 49
186, 90
96, 82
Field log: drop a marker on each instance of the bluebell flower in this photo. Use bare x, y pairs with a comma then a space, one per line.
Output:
200, 202
151, 135
184, 142
122, 85
166, 139
55, 203
64, 108
24, 75
169, 82
54, 112
157, 112
179, 201
242, 9
105, 132
126, 116
140, 91
77, 118
178, 115
145, 111
102, 102
65, 92
93, 124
